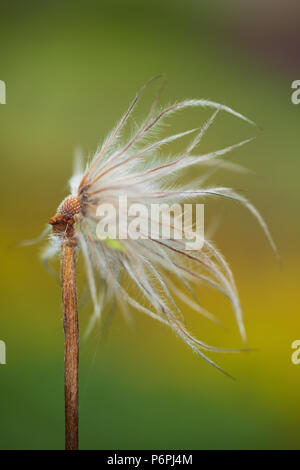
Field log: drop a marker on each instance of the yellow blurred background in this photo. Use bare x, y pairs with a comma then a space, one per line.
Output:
71, 69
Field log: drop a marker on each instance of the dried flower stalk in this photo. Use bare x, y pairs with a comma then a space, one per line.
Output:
62, 225
68, 279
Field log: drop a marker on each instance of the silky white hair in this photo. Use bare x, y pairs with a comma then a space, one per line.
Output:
161, 270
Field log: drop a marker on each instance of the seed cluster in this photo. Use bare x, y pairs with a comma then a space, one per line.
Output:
69, 207
64, 220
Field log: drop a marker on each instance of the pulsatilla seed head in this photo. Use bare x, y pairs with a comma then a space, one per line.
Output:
134, 167
63, 222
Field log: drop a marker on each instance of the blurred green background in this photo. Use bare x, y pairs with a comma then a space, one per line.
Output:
71, 68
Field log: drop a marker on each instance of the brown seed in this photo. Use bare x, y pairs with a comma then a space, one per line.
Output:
69, 207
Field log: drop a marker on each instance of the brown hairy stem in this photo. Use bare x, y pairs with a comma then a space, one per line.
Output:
63, 227
68, 279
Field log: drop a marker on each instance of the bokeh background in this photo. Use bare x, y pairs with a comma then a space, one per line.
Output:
71, 68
